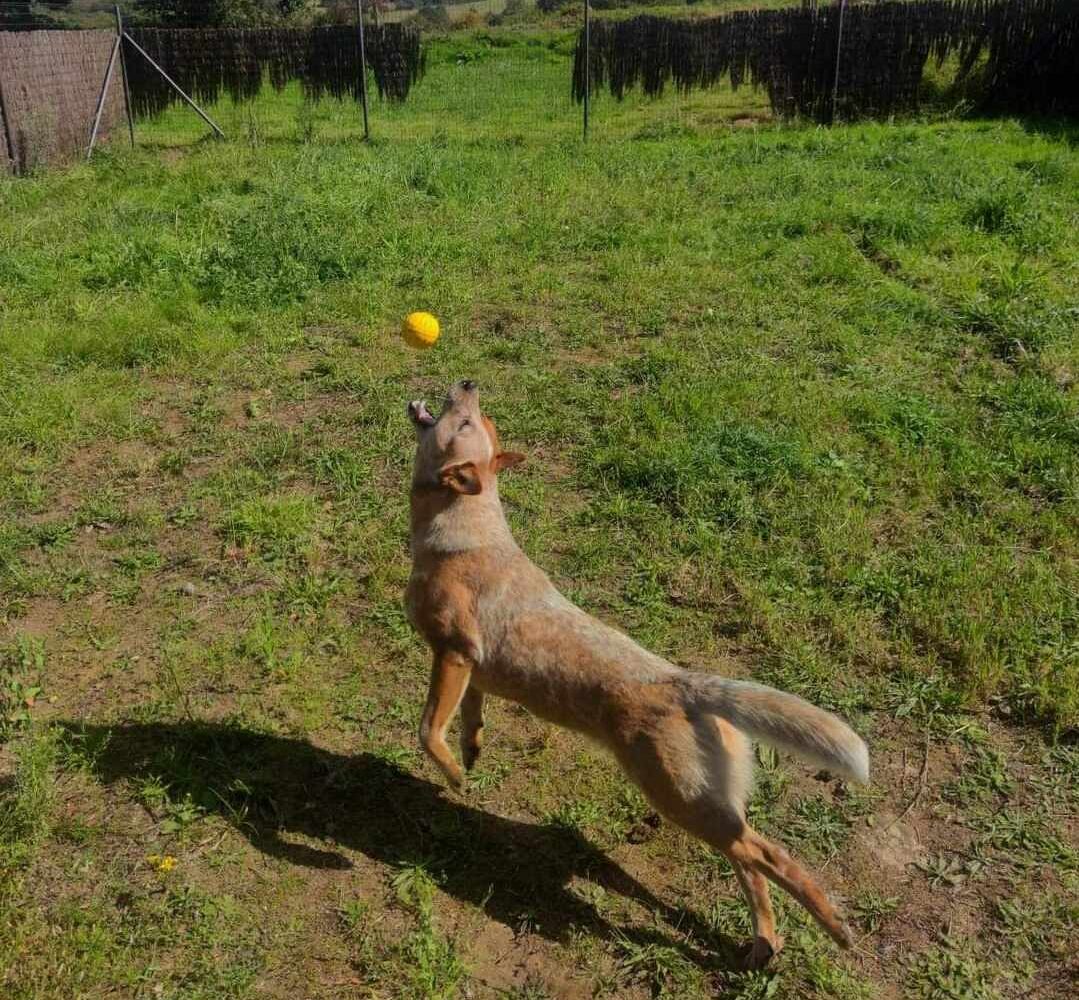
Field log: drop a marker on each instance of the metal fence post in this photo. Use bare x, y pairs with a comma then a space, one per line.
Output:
838, 50
101, 98
175, 86
587, 64
363, 71
123, 74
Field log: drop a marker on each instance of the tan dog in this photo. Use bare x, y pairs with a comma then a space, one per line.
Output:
496, 625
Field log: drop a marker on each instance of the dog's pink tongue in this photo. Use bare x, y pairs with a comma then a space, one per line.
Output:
423, 415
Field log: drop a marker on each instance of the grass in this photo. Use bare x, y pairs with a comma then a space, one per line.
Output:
829, 376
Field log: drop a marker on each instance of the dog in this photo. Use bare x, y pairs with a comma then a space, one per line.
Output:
497, 626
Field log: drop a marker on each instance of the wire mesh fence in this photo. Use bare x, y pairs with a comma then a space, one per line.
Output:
493, 86
637, 113
848, 61
494, 70
488, 70
511, 70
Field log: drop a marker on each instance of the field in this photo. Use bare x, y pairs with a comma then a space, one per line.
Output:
799, 405
100, 13
471, 13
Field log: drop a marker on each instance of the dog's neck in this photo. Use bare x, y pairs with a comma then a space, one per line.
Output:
444, 522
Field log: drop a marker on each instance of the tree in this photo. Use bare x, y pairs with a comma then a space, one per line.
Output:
27, 15
222, 13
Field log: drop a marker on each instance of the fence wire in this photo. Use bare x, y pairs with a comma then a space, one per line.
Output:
492, 71
495, 70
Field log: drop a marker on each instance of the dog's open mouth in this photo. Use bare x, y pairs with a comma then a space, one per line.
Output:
419, 413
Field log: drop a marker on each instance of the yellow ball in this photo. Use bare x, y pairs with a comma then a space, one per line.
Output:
420, 330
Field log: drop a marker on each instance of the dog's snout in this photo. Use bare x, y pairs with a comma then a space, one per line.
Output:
462, 396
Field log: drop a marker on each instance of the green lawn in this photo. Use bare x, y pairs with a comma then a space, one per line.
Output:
799, 405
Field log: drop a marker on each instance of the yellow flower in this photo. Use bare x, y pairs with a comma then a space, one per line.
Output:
161, 863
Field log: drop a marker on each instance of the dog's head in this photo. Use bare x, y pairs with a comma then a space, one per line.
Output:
458, 450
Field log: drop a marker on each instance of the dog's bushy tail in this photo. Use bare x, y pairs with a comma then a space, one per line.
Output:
785, 721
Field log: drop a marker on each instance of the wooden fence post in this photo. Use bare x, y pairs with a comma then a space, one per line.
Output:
123, 74
838, 51
587, 65
9, 139
363, 69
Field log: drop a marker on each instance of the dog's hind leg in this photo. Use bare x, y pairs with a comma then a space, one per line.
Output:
735, 774
754, 858
766, 942
471, 726
754, 852
722, 824
732, 778
696, 772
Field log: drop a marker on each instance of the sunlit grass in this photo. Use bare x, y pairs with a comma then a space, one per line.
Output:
798, 404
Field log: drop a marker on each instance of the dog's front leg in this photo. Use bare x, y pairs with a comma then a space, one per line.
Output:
471, 726
449, 681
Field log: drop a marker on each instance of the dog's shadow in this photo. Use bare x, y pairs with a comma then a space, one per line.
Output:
280, 792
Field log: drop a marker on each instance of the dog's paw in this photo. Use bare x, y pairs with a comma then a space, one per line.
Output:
845, 936
760, 951
455, 777
470, 753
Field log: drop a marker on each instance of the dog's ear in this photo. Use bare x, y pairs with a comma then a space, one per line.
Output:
463, 477
506, 460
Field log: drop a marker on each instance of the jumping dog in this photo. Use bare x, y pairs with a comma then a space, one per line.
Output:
496, 625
